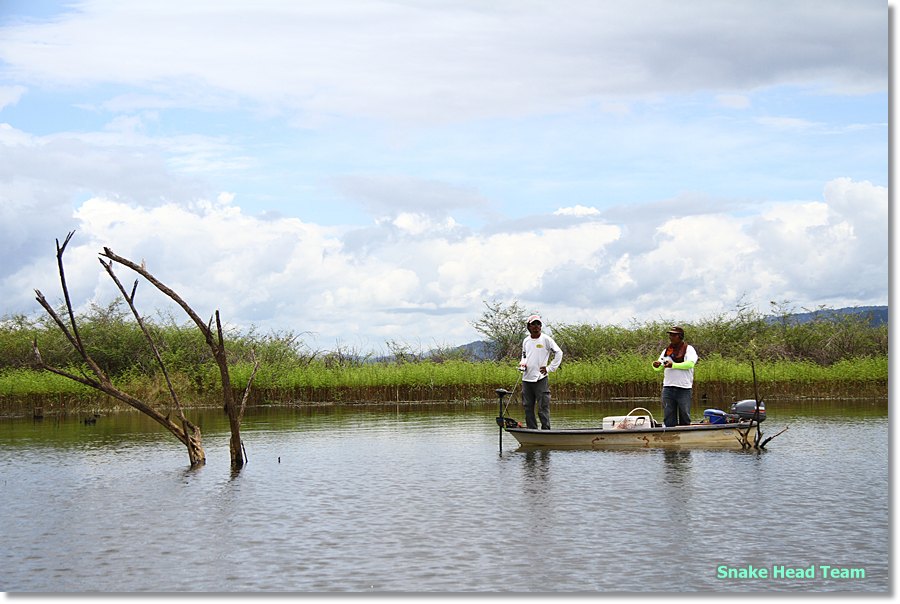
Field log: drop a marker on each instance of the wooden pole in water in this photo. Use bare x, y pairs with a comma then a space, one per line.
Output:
756, 415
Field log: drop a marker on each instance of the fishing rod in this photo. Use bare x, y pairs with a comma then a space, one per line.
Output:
511, 393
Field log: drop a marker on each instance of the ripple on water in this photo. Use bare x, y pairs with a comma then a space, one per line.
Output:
422, 501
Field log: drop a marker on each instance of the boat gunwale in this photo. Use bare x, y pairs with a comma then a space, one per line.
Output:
654, 430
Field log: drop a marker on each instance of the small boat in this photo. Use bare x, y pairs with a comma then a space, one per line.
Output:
638, 429
702, 435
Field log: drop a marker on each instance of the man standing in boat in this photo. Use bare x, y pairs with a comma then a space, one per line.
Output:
536, 350
677, 362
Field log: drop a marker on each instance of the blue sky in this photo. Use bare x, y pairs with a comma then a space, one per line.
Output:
371, 170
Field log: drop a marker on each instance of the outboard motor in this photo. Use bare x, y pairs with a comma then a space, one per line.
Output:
746, 410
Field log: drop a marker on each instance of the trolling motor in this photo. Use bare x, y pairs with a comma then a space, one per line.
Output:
502, 420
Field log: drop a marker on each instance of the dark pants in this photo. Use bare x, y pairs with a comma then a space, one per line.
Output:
537, 392
676, 404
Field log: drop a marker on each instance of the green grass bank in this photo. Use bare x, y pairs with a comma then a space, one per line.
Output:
826, 355
717, 381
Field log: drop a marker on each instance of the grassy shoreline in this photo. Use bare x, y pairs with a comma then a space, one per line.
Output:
628, 376
823, 354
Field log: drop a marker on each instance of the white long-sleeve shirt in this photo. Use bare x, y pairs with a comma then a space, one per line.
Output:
536, 354
681, 375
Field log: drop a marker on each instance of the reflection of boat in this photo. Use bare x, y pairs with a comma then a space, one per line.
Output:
641, 430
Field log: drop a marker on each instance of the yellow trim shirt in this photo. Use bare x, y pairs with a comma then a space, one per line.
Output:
536, 353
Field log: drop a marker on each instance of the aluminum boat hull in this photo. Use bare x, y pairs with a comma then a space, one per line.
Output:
696, 435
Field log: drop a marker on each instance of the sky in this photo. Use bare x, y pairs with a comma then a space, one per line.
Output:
372, 171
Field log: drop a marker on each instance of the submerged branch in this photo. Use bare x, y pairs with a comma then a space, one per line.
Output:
246, 396
188, 434
129, 299
765, 442
142, 270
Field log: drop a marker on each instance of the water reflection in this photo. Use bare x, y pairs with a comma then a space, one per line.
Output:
537, 465
677, 497
408, 500
677, 466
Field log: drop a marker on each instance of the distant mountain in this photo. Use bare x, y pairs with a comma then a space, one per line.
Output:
478, 350
877, 315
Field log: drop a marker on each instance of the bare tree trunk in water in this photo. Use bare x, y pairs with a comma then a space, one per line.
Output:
184, 430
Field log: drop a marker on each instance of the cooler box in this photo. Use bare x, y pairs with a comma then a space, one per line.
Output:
714, 416
626, 422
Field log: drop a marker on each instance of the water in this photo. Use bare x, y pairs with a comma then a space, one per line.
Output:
390, 499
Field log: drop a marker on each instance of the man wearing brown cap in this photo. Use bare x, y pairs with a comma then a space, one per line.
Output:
677, 362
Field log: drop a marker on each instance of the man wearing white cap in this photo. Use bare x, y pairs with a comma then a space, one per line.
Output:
536, 350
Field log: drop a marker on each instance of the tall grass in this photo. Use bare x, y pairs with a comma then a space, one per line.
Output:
825, 339
465, 380
838, 350
22, 382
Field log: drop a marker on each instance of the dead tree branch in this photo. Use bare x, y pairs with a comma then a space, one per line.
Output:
216, 344
246, 396
129, 299
188, 434
765, 442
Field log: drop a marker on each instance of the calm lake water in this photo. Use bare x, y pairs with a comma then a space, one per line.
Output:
420, 498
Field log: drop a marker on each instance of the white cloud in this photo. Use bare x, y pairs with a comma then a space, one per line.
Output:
440, 61
788, 123
418, 224
10, 95
389, 195
833, 251
578, 210
423, 286
376, 169
734, 101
